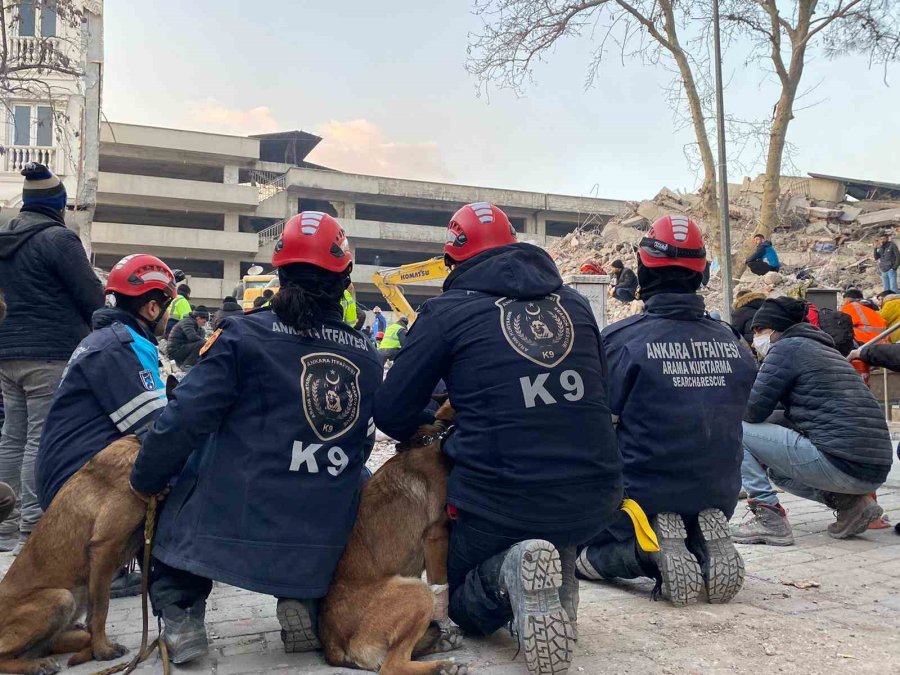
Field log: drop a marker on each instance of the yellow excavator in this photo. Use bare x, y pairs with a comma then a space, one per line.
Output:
390, 282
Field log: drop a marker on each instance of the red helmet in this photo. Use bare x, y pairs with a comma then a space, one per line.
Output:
139, 273
674, 240
475, 228
316, 238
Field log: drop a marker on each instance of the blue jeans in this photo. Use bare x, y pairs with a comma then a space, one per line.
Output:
623, 295
776, 454
889, 280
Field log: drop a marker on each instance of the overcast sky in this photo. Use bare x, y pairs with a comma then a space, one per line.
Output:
385, 84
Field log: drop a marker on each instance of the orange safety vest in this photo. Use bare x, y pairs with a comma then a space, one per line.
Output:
867, 323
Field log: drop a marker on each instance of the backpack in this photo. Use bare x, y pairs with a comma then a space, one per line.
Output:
840, 327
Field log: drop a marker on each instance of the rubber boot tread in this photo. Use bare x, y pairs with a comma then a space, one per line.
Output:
681, 575
724, 573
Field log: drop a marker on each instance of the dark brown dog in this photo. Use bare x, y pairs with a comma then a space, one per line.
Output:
90, 530
378, 612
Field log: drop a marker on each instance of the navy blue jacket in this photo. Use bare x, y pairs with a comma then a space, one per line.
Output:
826, 400
110, 388
269, 432
49, 286
679, 382
520, 354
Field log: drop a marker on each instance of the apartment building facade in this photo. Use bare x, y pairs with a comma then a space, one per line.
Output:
213, 205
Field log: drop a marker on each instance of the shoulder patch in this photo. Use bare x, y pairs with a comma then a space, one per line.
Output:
211, 341
147, 380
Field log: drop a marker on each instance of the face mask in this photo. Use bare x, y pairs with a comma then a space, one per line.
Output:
762, 344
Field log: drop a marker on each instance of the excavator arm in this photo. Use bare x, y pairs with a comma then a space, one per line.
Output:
390, 282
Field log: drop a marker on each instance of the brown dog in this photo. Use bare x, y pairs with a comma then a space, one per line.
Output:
378, 612
90, 530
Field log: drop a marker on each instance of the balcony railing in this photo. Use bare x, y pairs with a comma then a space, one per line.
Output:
38, 52
267, 183
17, 156
271, 233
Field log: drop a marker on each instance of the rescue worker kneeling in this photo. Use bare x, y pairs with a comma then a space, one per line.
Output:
266, 441
536, 470
678, 383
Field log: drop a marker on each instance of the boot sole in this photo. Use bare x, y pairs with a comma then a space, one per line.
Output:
724, 573
870, 514
548, 637
681, 575
297, 631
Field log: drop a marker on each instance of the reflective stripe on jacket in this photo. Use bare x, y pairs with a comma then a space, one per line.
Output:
867, 323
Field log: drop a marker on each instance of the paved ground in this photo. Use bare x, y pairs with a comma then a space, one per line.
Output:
850, 623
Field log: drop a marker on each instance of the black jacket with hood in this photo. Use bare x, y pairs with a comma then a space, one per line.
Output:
824, 399
228, 309
50, 288
745, 308
520, 353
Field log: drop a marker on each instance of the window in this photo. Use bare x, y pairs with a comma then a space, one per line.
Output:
26, 18
22, 123
48, 20
44, 132
32, 125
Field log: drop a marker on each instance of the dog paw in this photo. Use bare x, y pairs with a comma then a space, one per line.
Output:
109, 651
80, 626
46, 667
451, 638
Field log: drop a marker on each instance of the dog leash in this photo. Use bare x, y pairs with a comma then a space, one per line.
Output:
145, 651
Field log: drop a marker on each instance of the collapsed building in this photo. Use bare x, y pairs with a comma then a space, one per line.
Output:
826, 235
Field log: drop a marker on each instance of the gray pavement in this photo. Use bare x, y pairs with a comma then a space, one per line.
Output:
850, 623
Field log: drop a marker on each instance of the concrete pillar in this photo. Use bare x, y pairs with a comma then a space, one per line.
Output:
230, 175
345, 210
531, 224
232, 222
540, 223
231, 274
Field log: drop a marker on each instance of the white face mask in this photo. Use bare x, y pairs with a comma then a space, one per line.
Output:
762, 344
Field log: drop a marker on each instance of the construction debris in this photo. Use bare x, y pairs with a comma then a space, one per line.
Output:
821, 243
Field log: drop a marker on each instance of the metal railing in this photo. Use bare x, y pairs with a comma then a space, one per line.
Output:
34, 51
267, 183
15, 157
271, 233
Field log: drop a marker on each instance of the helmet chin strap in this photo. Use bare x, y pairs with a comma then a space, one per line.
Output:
153, 323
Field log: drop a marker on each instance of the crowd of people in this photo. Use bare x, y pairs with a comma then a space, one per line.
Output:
260, 456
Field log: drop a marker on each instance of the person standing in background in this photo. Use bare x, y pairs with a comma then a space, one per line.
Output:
51, 291
888, 256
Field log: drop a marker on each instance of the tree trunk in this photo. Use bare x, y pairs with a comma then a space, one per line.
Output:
708, 196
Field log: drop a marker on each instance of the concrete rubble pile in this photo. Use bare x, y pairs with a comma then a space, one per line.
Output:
820, 243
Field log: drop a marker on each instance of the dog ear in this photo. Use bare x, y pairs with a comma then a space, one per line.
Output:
171, 382
440, 399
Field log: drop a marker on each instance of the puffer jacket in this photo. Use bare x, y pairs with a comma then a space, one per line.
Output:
185, 341
50, 288
745, 308
825, 399
890, 311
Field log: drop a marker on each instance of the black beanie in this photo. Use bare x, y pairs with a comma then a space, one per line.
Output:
779, 314
669, 279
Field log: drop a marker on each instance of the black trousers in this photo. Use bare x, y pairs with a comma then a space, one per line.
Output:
760, 267
478, 547
172, 586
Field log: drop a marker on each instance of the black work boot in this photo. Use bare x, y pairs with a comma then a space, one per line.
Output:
299, 625
769, 525
184, 632
720, 562
682, 578
568, 592
854, 513
531, 577
125, 584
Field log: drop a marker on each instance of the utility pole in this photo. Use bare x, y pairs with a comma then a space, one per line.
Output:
727, 282
89, 170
